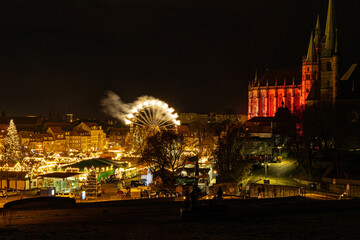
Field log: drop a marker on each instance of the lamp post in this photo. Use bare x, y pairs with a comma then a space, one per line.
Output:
266, 165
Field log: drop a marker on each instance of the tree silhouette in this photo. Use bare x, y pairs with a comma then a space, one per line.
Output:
163, 153
229, 160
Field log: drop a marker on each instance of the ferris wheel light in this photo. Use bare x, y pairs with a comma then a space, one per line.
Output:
153, 114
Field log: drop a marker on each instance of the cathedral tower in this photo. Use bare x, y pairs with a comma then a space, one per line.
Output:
323, 69
329, 59
310, 70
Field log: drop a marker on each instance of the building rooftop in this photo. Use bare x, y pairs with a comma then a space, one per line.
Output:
59, 175
280, 76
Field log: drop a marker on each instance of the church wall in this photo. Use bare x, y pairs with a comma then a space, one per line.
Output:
326, 79
264, 101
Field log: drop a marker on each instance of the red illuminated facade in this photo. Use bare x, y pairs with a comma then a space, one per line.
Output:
314, 82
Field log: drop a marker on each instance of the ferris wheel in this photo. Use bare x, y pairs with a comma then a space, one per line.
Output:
155, 115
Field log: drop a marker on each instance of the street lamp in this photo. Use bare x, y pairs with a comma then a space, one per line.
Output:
266, 165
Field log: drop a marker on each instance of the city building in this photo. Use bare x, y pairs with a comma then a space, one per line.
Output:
28, 123
98, 137
59, 139
190, 118
117, 136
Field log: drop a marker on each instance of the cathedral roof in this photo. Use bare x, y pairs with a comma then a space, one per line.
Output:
349, 85
314, 93
289, 75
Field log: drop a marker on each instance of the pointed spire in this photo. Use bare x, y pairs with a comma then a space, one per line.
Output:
256, 76
317, 31
310, 57
330, 29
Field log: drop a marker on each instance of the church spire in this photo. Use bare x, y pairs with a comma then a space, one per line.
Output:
330, 29
256, 76
317, 31
310, 57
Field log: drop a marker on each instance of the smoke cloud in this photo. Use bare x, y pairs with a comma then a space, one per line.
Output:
115, 107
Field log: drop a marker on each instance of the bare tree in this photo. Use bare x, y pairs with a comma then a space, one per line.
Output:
163, 153
229, 158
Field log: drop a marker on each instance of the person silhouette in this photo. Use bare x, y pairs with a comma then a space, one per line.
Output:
219, 196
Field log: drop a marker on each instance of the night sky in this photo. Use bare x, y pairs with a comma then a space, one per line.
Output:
197, 55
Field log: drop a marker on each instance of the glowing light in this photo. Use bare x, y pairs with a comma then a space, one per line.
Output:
154, 114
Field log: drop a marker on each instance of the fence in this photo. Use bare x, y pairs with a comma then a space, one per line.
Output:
273, 191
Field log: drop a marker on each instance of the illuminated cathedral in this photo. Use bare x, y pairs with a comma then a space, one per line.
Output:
316, 81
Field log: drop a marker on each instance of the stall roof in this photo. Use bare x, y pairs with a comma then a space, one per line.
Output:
59, 175
96, 162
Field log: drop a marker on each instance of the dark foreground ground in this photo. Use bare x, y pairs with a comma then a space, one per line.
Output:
248, 219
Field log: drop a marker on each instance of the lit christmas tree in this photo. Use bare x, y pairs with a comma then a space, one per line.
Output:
11, 149
91, 183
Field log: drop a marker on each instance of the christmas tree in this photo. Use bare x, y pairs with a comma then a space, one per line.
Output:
11, 149
91, 183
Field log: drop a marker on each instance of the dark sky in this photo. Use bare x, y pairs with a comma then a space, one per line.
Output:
197, 55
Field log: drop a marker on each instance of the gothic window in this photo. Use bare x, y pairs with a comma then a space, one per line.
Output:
328, 66
297, 101
280, 100
288, 101
271, 106
262, 104
307, 76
